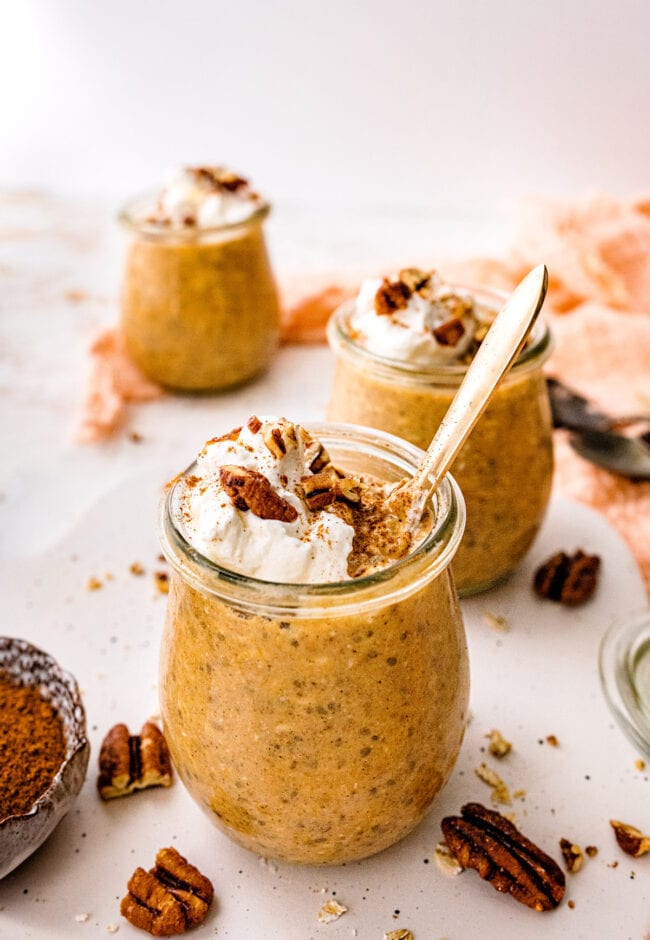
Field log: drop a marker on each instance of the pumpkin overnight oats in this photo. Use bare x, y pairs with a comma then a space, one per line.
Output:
314, 675
199, 303
402, 351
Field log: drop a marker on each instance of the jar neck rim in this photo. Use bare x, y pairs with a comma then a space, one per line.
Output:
341, 341
428, 559
132, 216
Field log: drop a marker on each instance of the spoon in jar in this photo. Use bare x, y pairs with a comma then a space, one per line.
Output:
501, 346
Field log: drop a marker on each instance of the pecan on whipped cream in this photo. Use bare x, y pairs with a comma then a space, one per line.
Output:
418, 318
203, 197
265, 500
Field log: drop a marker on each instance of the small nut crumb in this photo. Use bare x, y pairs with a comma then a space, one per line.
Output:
552, 740
591, 851
612, 864
331, 910
498, 746
572, 854
81, 918
630, 839
112, 928
500, 792
161, 579
136, 569
571, 904
446, 860
135, 437
639, 764
94, 584
496, 621
400, 934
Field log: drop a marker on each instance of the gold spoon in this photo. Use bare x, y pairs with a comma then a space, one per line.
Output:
497, 352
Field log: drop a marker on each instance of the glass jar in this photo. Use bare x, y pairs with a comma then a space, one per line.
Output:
199, 305
625, 676
504, 469
315, 723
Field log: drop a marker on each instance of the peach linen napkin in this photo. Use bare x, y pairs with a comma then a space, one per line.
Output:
598, 255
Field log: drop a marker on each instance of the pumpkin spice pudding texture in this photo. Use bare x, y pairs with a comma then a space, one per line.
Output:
199, 303
314, 676
402, 350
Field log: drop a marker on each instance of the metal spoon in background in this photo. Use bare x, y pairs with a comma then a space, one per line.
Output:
495, 355
627, 456
595, 435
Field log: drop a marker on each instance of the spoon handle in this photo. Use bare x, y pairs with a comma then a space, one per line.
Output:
495, 355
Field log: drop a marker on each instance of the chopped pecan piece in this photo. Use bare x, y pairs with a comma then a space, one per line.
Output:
450, 332
630, 839
169, 898
486, 841
316, 457
569, 579
279, 438
391, 296
498, 746
129, 762
572, 854
253, 424
500, 792
249, 489
322, 489
414, 279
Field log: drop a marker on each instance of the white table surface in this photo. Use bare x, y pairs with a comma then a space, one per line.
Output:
71, 512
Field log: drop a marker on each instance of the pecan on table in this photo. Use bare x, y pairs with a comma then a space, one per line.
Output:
169, 898
485, 840
569, 579
133, 762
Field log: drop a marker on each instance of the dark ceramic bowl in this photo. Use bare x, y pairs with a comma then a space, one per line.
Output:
27, 665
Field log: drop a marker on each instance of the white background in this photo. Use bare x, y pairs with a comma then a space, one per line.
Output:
398, 105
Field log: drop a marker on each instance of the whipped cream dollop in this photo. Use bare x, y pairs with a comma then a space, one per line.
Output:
418, 318
256, 502
203, 197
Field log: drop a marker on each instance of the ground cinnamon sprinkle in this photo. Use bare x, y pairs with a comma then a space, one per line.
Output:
32, 747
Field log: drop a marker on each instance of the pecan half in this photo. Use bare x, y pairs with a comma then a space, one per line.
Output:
130, 762
630, 839
168, 898
572, 854
486, 841
569, 579
450, 332
391, 296
249, 489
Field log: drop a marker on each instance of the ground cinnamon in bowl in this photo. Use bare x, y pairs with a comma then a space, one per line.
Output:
43, 748
32, 746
